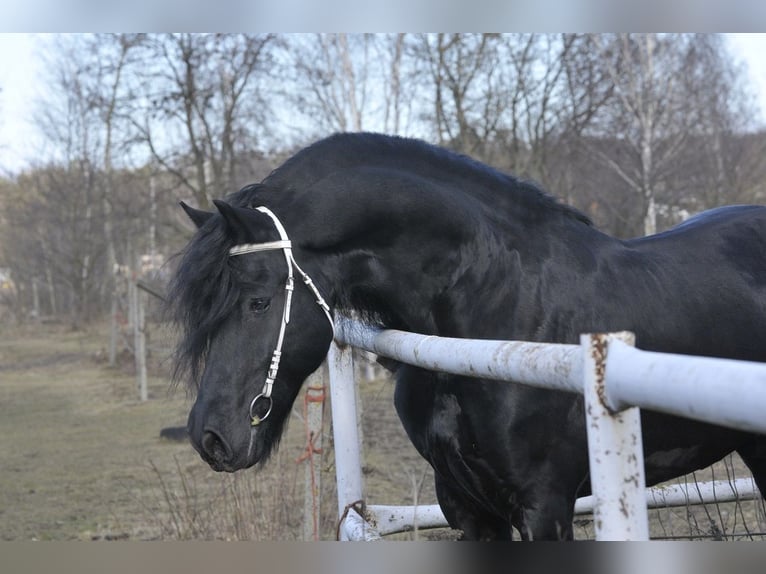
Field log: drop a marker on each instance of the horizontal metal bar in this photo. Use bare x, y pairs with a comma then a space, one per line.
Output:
393, 519
701, 388
718, 391
546, 365
693, 494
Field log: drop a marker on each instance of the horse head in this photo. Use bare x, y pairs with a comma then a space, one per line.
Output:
251, 334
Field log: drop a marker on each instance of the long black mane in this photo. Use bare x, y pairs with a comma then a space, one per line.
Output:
201, 295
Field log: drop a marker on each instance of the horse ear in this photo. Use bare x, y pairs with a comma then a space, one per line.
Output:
197, 216
235, 217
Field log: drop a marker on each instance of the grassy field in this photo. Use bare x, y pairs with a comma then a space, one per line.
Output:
82, 458
77, 445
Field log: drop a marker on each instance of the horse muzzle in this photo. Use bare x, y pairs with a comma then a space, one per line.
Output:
215, 451
219, 446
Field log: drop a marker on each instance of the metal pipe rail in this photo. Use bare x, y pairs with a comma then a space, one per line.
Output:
615, 379
383, 520
701, 388
720, 391
537, 364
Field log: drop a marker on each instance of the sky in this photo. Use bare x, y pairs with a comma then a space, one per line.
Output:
22, 69
20, 72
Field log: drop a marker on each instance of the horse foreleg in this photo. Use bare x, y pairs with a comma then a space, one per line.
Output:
548, 518
464, 516
754, 456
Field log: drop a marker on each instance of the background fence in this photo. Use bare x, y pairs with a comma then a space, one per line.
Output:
133, 299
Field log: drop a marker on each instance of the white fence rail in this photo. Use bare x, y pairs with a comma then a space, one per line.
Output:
393, 519
615, 379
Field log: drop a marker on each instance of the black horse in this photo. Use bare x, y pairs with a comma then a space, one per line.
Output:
418, 238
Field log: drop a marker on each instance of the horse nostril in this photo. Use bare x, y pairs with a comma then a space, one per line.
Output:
215, 449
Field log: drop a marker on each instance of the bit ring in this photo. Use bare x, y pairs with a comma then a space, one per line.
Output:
255, 420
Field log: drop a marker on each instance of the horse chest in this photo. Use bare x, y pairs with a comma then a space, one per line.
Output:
448, 438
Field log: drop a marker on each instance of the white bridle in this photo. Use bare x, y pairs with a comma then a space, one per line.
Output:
286, 246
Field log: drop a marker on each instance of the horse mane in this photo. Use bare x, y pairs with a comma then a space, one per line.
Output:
200, 296
501, 192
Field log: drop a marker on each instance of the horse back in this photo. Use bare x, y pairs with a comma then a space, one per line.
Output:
712, 285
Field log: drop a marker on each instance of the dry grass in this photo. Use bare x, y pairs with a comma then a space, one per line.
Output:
82, 459
76, 442
82, 456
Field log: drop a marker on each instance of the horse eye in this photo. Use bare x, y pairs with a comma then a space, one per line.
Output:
259, 305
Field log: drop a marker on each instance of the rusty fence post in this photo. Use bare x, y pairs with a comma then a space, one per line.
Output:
312, 455
615, 450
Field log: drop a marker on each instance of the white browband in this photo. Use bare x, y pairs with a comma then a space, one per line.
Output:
286, 246
255, 247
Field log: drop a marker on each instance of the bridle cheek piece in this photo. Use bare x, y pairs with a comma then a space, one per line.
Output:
286, 246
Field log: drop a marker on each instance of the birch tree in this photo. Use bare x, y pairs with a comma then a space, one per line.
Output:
650, 114
331, 84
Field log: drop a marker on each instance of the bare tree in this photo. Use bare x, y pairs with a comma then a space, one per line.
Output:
654, 80
332, 80
107, 62
394, 83
717, 162
510, 99
70, 202
458, 72
350, 82
205, 105
67, 201
540, 108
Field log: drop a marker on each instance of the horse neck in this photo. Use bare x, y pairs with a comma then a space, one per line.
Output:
392, 285
491, 283
426, 279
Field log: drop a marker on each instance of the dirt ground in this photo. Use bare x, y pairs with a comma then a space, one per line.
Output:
82, 458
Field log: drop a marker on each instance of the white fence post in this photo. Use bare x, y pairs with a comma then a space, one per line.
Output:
348, 460
615, 450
